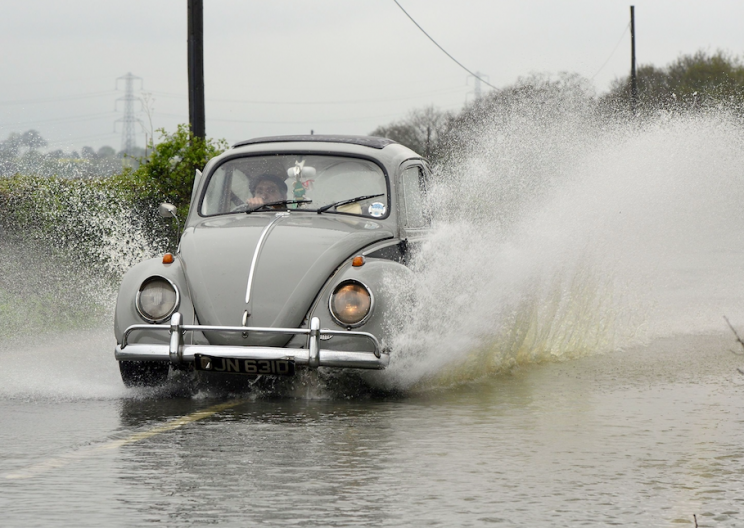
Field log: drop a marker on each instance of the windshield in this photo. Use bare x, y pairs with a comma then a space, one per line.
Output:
329, 184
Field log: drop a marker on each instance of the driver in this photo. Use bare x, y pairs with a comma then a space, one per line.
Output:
267, 188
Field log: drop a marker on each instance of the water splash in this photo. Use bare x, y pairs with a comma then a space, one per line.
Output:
66, 366
58, 287
563, 233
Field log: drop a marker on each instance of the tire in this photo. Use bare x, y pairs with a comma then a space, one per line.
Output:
143, 373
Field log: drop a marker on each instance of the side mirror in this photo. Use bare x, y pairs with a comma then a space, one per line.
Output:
167, 210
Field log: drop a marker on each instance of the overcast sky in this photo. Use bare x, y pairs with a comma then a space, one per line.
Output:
332, 66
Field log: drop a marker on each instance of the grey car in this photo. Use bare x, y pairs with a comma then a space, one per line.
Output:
282, 263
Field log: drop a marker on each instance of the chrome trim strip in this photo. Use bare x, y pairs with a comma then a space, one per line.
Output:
259, 246
380, 245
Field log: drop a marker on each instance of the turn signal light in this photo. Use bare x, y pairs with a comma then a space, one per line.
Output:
168, 258
358, 261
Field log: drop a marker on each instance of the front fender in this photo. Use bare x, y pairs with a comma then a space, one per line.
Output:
126, 311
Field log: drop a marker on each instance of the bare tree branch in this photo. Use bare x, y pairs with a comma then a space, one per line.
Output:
738, 339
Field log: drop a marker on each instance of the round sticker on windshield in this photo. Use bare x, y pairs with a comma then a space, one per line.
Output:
377, 209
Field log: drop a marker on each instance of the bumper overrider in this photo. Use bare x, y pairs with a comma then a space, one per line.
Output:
312, 356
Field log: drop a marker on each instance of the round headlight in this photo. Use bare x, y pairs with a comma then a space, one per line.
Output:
351, 303
157, 299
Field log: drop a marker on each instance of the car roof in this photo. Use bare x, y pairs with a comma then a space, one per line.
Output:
365, 141
387, 151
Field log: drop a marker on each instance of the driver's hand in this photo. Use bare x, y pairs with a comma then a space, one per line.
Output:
255, 201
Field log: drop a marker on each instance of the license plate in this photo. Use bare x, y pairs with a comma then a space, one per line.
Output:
267, 367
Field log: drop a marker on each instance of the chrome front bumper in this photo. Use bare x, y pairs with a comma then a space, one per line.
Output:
311, 356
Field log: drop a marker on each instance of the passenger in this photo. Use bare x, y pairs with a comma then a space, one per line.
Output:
267, 188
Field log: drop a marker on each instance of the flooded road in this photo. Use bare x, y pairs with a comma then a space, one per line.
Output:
648, 436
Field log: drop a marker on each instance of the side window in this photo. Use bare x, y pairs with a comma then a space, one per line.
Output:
412, 185
229, 188
212, 203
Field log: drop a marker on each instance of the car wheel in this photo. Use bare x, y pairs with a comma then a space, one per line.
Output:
143, 373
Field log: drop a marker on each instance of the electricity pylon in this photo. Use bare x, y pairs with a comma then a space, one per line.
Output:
478, 79
128, 139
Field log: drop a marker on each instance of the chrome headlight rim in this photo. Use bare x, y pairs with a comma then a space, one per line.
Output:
138, 305
364, 319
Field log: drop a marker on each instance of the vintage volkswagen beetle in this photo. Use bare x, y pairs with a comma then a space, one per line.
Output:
264, 287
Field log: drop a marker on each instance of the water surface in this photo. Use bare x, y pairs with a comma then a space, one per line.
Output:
647, 437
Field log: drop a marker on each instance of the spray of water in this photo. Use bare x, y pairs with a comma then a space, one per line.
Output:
562, 233
58, 287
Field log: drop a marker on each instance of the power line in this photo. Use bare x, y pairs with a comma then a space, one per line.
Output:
56, 81
62, 98
613, 51
80, 138
357, 101
441, 48
307, 122
304, 122
69, 119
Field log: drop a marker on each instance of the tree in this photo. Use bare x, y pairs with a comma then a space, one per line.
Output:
106, 152
18, 152
88, 153
10, 147
33, 140
691, 80
420, 131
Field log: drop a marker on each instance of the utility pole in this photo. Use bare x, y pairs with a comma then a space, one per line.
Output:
633, 79
128, 140
196, 67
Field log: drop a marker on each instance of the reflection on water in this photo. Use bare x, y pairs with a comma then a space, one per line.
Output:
270, 461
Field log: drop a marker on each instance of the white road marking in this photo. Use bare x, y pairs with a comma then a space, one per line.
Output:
67, 458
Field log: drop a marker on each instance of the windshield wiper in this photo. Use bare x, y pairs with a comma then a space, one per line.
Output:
278, 202
350, 200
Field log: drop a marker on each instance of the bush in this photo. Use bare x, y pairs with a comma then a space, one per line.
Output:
91, 219
168, 173
110, 221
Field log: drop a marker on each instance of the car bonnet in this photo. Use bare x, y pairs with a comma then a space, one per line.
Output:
297, 256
